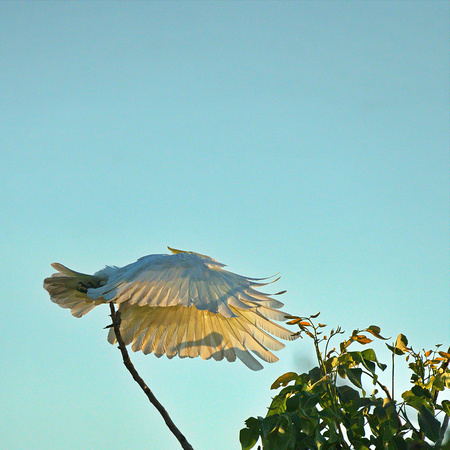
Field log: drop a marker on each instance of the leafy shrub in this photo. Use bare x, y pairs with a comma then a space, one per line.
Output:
328, 407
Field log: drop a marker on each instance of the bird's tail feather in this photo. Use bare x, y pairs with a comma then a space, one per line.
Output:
68, 289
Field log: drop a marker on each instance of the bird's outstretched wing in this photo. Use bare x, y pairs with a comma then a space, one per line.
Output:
189, 332
187, 304
186, 279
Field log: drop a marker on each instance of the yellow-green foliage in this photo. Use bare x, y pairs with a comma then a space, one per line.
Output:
315, 411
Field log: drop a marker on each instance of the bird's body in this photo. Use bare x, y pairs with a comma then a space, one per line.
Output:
184, 304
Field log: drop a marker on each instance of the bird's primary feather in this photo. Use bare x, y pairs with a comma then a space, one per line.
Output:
182, 304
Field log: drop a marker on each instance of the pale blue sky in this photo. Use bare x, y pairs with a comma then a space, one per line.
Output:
306, 138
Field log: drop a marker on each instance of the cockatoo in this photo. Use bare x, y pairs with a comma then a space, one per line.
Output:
181, 304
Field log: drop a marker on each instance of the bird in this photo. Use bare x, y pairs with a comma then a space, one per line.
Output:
182, 303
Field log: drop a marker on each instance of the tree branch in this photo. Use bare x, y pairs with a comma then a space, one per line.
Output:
382, 386
115, 316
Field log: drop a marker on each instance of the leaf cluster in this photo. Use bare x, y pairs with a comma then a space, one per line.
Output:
328, 407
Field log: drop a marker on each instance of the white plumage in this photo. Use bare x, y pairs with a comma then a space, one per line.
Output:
184, 304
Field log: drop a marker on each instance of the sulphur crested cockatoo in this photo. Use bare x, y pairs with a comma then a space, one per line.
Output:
184, 303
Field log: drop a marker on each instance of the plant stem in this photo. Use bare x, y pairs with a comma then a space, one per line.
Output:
444, 367
115, 316
393, 375
330, 386
382, 386
406, 418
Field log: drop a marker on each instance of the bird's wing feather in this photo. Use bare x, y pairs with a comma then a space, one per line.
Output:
182, 279
183, 304
189, 332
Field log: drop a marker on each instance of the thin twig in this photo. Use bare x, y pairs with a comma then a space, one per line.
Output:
382, 386
405, 416
444, 367
393, 376
115, 316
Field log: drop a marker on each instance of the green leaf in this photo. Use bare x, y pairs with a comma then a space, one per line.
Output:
388, 418
389, 445
252, 422
278, 405
429, 425
419, 391
269, 424
395, 350
348, 358
250, 435
354, 375
366, 358
315, 375
361, 444
413, 400
352, 357
248, 438
281, 435
349, 398
418, 368
356, 428
303, 403
369, 355
446, 407
330, 364
302, 381
442, 381
328, 415
369, 365
284, 380
400, 443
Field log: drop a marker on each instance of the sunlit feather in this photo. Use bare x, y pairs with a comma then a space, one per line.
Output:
182, 304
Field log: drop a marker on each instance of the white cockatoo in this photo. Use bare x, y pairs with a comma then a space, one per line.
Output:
182, 304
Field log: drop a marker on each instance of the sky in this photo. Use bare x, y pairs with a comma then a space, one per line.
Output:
309, 138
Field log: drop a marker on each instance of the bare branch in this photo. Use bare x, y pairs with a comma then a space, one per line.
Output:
115, 316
